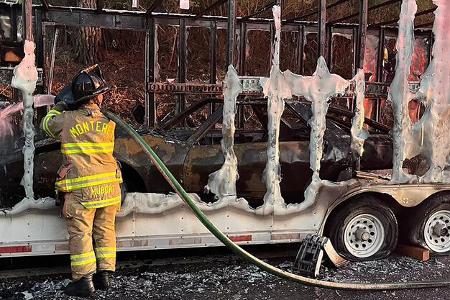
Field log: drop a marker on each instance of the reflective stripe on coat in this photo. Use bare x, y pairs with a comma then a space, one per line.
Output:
87, 145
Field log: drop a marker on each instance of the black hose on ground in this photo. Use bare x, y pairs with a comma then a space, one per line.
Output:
244, 254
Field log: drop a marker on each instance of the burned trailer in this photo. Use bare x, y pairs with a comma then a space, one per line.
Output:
330, 187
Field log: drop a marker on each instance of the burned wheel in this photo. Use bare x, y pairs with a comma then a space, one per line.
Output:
365, 229
430, 225
436, 231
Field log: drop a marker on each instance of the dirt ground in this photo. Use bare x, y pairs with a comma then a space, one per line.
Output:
216, 277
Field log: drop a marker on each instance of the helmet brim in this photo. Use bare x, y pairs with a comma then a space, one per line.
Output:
96, 93
66, 95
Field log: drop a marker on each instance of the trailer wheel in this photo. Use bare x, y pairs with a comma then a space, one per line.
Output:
431, 228
364, 229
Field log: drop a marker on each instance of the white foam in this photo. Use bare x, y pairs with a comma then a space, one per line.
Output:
184, 4
25, 74
223, 182
436, 88
400, 94
24, 79
359, 135
429, 136
30, 204
318, 89
276, 11
149, 203
276, 90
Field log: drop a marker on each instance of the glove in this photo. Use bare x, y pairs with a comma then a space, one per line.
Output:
61, 106
65, 95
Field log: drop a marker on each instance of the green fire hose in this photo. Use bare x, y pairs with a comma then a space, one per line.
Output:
246, 255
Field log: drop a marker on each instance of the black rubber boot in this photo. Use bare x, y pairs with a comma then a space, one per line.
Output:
83, 287
102, 280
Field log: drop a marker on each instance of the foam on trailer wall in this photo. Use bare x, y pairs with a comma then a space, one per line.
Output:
437, 94
146, 203
25, 79
223, 182
276, 90
28, 204
318, 89
400, 93
428, 136
359, 135
276, 11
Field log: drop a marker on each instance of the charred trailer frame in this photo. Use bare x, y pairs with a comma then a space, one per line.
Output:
272, 228
148, 22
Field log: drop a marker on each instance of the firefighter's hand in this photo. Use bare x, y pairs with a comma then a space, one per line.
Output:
64, 96
61, 106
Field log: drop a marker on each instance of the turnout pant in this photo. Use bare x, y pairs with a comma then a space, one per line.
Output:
92, 236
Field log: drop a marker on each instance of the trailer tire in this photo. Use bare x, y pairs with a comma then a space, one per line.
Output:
426, 217
364, 229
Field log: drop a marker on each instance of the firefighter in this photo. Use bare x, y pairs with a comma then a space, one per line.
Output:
89, 180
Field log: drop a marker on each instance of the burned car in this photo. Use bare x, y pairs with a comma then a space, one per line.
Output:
192, 153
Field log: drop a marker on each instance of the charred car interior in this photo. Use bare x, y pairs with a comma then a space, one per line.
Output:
194, 153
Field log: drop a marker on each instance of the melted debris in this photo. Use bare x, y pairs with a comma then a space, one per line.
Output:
234, 279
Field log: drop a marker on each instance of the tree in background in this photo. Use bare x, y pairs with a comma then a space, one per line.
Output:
88, 42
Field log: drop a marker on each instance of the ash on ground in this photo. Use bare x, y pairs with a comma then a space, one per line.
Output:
232, 278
